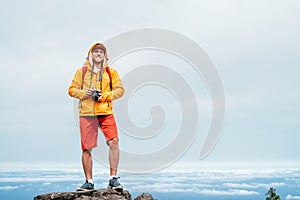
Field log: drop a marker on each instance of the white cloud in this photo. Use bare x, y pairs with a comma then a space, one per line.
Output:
207, 182
253, 185
169, 187
239, 185
9, 187
211, 182
227, 192
291, 197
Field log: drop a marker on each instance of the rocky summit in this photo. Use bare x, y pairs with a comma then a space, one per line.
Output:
101, 194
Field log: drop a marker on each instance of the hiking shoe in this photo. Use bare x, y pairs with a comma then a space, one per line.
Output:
86, 187
115, 184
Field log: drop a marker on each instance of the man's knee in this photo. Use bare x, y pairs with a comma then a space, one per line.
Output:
86, 152
113, 143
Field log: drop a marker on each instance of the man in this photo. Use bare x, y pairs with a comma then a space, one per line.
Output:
97, 85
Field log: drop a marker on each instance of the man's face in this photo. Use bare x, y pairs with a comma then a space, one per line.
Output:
97, 55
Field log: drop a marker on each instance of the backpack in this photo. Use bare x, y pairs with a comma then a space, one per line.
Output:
84, 69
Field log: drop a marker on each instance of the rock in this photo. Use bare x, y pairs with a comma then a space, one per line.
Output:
144, 196
102, 194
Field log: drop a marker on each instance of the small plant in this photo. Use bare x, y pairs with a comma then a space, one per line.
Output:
271, 194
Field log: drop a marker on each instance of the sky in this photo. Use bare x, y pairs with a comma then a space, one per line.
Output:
253, 44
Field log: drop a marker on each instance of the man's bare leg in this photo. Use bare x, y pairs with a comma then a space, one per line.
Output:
87, 163
113, 156
114, 161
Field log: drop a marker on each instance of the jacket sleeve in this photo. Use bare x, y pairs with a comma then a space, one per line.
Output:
75, 87
117, 88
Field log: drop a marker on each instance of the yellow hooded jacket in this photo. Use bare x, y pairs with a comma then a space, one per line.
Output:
88, 107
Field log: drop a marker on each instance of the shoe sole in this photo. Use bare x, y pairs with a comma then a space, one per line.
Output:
117, 188
83, 190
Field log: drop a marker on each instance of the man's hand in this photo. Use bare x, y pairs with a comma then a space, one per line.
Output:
88, 93
100, 96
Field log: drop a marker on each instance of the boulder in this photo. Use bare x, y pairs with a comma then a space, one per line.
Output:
101, 194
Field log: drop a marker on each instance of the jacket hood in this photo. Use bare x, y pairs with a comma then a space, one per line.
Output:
89, 60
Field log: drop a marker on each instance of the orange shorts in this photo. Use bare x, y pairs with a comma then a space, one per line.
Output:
89, 129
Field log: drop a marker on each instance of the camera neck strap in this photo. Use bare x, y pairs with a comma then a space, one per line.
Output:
84, 70
100, 76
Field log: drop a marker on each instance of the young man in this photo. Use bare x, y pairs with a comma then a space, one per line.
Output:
97, 85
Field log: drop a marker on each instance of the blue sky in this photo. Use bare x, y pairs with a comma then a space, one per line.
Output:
254, 45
